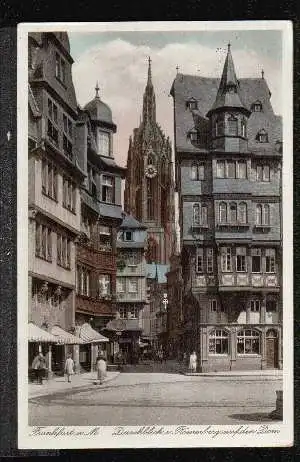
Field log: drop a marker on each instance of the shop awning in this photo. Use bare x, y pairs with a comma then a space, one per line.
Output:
89, 335
38, 335
63, 337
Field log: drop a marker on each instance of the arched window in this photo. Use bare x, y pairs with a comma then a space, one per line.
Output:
258, 219
248, 342
244, 128
242, 212
232, 125
223, 212
218, 342
266, 214
271, 333
150, 160
232, 212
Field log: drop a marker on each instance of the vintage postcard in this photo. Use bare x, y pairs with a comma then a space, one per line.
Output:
155, 303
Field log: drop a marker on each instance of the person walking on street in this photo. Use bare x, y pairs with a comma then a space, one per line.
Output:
39, 366
69, 367
101, 369
193, 362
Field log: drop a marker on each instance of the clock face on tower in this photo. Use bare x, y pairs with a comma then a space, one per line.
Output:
150, 171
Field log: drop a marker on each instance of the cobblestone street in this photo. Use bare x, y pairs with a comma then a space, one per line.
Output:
142, 398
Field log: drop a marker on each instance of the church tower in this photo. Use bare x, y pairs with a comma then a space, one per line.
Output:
149, 186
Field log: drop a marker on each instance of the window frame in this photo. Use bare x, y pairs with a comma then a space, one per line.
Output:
101, 135
250, 338
226, 259
223, 337
107, 189
241, 260
200, 260
256, 253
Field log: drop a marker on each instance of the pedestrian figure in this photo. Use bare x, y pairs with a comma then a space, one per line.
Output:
193, 362
69, 367
39, 366
101, 369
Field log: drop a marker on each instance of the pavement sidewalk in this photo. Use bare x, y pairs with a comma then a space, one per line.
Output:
60, 384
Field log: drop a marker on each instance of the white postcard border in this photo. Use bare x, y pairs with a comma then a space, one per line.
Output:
69, 437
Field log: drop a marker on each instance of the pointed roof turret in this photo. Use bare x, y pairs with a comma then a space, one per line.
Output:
228, 96
149, 105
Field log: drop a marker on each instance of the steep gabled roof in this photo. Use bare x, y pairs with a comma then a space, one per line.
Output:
129, 222
204, 90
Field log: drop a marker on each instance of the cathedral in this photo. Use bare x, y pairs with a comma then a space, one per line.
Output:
149, 188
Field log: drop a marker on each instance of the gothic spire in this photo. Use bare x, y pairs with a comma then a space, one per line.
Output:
149, 104
228, 93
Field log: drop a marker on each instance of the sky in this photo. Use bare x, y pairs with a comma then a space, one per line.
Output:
118, 61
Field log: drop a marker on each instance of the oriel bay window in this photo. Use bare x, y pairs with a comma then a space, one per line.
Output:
63, 251
248, 341
241, 264
49, 179
43, 242
218, 342
226, 259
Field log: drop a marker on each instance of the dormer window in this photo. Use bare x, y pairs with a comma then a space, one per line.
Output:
256, 107
231, 88
128, 236
262, 136
103, 143
194, 135
192, 104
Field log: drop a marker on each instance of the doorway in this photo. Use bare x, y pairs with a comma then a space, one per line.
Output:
272, 349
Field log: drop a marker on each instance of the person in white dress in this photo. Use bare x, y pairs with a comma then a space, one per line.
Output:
69, 367
101, 369
193, 362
